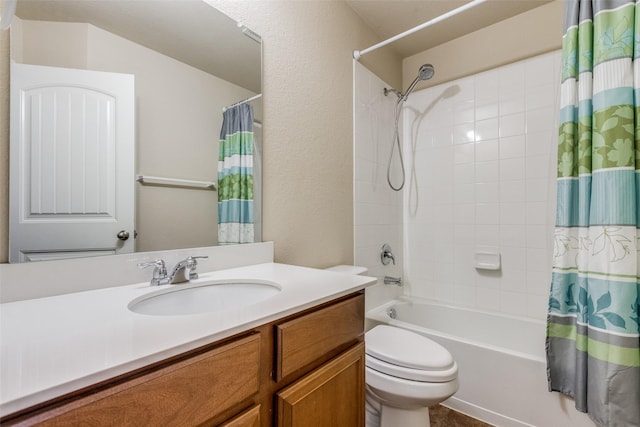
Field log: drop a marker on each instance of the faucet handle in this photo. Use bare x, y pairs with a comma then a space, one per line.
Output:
387, 255
159, 271
192, 265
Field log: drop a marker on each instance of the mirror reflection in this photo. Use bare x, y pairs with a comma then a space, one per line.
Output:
104, 92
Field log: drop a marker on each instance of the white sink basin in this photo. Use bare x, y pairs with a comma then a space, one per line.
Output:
204, 298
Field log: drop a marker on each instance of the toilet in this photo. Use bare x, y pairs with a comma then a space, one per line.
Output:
405, 374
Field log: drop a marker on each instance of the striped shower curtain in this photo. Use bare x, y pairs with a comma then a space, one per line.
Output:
593, 339
235, 176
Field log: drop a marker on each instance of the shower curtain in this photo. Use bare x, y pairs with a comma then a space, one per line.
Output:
235, 176
593, 338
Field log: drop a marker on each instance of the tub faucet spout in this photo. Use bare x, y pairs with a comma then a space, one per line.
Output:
390, 280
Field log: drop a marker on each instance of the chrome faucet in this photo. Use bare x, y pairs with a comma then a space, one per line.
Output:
184, 271
184, 267
159, 276
390, 280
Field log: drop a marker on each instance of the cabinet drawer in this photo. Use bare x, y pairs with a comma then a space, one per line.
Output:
317, 336
249, 418
190, 391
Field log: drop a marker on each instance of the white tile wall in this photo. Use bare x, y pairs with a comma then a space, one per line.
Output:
484, 151
377, 209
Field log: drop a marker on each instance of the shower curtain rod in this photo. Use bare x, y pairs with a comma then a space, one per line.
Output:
244, 101
358, 53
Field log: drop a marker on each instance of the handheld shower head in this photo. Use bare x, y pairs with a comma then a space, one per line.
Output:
425, 72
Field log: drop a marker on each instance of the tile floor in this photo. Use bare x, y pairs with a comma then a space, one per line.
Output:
442, 416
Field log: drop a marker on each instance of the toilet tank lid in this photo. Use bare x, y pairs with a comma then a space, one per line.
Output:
405, 348
349, 269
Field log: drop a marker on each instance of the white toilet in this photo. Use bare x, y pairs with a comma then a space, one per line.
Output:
405, 374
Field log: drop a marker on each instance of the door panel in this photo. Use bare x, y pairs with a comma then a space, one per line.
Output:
72, 159
332, 395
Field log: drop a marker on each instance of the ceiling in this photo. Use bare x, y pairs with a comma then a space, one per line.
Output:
190, 31
388, 18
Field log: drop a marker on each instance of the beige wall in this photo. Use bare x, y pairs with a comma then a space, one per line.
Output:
528, 34
178, 129
58, 44
308, 113
4, 145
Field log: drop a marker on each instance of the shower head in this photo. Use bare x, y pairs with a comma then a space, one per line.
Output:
425, 72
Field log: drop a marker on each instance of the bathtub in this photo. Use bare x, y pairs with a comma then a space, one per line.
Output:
501, 362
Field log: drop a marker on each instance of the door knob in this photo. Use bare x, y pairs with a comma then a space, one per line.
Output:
123, 235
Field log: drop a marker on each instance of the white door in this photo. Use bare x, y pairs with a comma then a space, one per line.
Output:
71, 163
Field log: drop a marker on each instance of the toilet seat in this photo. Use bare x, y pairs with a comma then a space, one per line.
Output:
387, 368
405, 354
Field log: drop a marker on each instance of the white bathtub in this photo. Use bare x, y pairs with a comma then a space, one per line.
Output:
501, 361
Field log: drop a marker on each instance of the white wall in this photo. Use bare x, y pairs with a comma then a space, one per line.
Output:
484, 169
377, 208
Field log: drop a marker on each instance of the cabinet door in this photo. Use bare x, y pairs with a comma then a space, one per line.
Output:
332, 395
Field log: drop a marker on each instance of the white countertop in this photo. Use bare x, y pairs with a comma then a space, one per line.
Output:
52, 346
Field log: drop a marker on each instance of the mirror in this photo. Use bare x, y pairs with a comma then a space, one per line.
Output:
188, 61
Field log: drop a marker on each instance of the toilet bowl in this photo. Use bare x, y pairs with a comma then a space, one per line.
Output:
405, 374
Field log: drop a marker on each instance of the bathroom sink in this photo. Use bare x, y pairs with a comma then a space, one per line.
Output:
204, 297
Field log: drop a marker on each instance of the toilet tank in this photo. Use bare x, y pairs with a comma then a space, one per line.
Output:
349, 269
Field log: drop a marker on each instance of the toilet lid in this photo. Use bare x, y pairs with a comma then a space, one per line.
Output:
407, 349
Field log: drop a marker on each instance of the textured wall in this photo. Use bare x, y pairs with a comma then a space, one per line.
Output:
308, 111
4, 145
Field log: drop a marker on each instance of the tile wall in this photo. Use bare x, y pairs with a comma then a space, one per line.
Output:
377, 208
482, 173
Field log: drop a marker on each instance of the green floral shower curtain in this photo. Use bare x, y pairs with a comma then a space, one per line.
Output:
235, 176
593, 339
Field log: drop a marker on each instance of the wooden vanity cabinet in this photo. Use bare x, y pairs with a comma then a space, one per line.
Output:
304, 370
324, 351
192, 390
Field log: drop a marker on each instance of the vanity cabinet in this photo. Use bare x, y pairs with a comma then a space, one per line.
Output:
196, 388
306, 369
